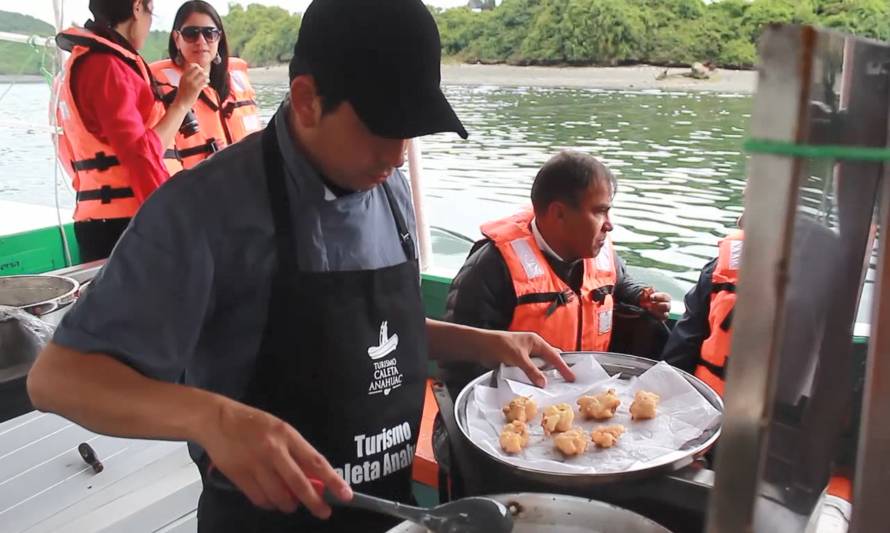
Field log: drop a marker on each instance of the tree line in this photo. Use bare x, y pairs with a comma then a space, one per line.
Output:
541, 32
661, 32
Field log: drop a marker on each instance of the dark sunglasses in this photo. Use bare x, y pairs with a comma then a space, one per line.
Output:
191, 33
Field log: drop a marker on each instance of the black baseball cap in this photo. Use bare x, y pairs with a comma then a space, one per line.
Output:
383, 57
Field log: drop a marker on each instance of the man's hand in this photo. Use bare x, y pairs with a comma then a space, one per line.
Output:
515, 348
269, 460
658, 304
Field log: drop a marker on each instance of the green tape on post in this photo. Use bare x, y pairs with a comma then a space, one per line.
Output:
822, 151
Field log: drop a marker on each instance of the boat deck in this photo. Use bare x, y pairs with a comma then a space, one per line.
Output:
46, 486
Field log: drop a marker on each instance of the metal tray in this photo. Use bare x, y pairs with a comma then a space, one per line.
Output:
614, 363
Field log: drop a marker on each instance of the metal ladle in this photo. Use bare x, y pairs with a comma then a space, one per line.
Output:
466, 515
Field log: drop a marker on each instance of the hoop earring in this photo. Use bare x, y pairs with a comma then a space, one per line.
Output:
178, 58
217, 60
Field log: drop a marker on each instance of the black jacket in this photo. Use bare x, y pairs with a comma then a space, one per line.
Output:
684, 344
482, 295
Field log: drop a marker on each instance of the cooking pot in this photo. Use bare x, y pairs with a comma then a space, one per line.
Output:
535, 512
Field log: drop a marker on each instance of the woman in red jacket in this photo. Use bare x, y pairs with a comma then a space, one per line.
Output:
114, 126
226, 109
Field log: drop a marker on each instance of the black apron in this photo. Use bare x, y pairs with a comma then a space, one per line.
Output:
343, 360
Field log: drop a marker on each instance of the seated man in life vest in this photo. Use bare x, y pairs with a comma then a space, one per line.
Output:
552, 269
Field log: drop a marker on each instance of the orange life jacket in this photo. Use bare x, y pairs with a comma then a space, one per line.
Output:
103, 186
220, 124
715, 349
545, 303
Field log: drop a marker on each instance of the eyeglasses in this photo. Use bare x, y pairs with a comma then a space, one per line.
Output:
191, 33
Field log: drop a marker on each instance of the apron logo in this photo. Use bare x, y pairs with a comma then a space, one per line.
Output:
387, 344
386, 374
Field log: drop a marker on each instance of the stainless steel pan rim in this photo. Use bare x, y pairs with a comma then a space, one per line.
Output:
47, 293
557, 512
627, 365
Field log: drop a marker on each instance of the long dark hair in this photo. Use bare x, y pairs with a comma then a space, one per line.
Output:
219, 72
112, 12
109, 13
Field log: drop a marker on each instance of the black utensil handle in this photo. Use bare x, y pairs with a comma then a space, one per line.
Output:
379, 505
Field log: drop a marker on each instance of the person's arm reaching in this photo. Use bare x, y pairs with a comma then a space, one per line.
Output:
683, 347
464, 343
630, 291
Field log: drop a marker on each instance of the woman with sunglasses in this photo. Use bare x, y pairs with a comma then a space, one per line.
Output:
114, 125
226, 110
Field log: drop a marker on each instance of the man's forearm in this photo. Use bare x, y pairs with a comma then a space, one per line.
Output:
455, 342
106, 396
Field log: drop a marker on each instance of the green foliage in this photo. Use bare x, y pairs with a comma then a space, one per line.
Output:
661, 32
763, 12
19, 58
603, 31
502, 31
156, 46
18, 23
458, 27
869, 18
261, 35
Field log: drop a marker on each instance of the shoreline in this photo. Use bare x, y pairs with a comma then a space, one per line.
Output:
628, 78
636, 77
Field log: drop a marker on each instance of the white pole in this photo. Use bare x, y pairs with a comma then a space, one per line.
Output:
59, 12
415, 171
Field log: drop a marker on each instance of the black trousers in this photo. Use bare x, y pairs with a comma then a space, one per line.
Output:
96, 238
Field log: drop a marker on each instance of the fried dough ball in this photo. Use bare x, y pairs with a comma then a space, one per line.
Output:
557, 418
606, 436
572, 442
514, 437
644, 405
599, 407
520, 408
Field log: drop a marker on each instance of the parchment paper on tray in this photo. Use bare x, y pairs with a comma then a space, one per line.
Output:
683, 414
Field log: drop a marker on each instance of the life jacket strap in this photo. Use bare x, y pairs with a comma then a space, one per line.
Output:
557, 299
230, 107
106, 194
100, 162
719, 371
208, 147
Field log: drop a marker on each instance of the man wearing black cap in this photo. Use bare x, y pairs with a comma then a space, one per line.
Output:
278, 328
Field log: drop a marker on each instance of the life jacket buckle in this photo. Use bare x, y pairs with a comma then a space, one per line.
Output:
599, 294
561, 298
